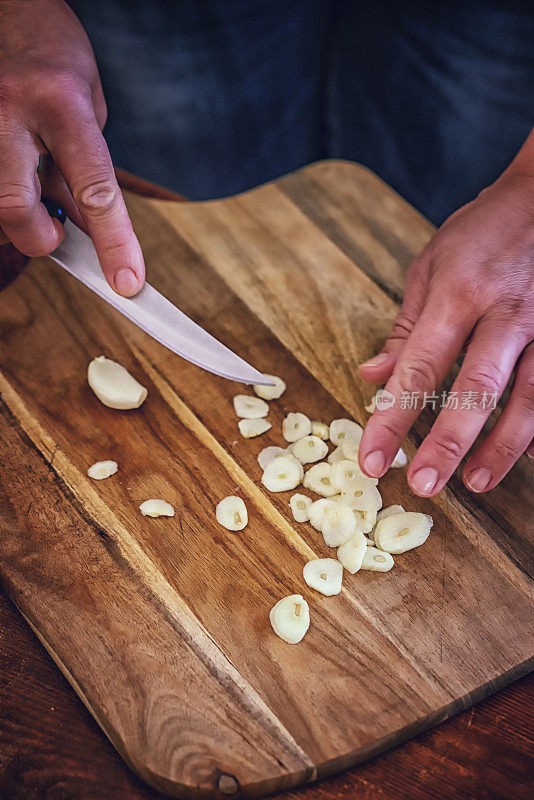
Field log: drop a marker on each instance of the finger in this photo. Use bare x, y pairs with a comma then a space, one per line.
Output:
511, 435
485, 372
379, 368
425, 360
23, 218
84, 161
55, 188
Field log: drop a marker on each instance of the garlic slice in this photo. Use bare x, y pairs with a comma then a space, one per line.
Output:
248, 407
102, 470
156, 508
401, 459
321, 430
388, 512
350, 450
295, 426
113, 384
300, 505
317, 479
346, 475
335, 455
309, 449
282, 474
376, 560
343, 430
363, 496
248, 428
268, 454
339, 525
271, 392
402, 532
231, 512
290, 618
324, 574
352, 553
317, 511
368, 519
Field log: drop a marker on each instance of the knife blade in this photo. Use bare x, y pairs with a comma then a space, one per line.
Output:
152, 312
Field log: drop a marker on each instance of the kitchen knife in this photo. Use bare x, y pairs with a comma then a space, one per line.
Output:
150, 310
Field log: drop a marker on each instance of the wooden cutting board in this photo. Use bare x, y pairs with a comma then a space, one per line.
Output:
162, 625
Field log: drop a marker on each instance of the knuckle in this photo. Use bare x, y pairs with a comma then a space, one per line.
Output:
16, 203
484, 377
448, 444
525, 391
96, 194
417, 376
403, 326
506, 451
54, 90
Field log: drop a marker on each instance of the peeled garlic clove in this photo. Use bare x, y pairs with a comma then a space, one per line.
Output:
231, 512
335, 455
113, 384
317, 511
300, 505
352, 553
309, 449
250, 407
388, 512
317, 479
271, 392
290, 618
282, 474
376, 560
343, 430
295, 426
248, 428
402, 532
268, 454
339, 525
102, 469
401, 459
324, 574
156, 508
321, 430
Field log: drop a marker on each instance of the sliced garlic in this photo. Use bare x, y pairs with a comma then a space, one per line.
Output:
363, 496
317, 479
401, 459
271, 392
347, 474
113, 384
372, 405
282, 474
335, 455
248, 428
300, 505
102, 469
317, 511
369, 542
339, 525
309, 449
343, 430
368, 519
377, 560
248, 407
295, 426
350, 450
231, 512
321, 430
156, 508
402, 532
290, 618
352, 553
268, 453
324, 574
388, 512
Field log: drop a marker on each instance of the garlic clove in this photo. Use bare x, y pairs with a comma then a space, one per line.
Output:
102, 470
156, 508
113, 384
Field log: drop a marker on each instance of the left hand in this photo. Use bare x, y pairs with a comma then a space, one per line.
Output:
473, 281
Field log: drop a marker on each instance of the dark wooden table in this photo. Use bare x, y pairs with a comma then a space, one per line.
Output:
51, 748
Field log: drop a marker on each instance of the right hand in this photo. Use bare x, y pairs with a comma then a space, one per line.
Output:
52, 105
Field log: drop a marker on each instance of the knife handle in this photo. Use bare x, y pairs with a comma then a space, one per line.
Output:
55, 210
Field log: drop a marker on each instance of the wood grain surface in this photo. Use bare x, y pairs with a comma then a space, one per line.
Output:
161, 625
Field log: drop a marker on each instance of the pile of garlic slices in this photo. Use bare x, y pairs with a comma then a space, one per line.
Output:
347, 512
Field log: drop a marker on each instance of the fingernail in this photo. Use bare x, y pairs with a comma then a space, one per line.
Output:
374, 463
376, 360
126, 281
424, 480
479, 479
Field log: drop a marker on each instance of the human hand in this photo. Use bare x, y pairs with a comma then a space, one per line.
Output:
52, 105
473, 282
